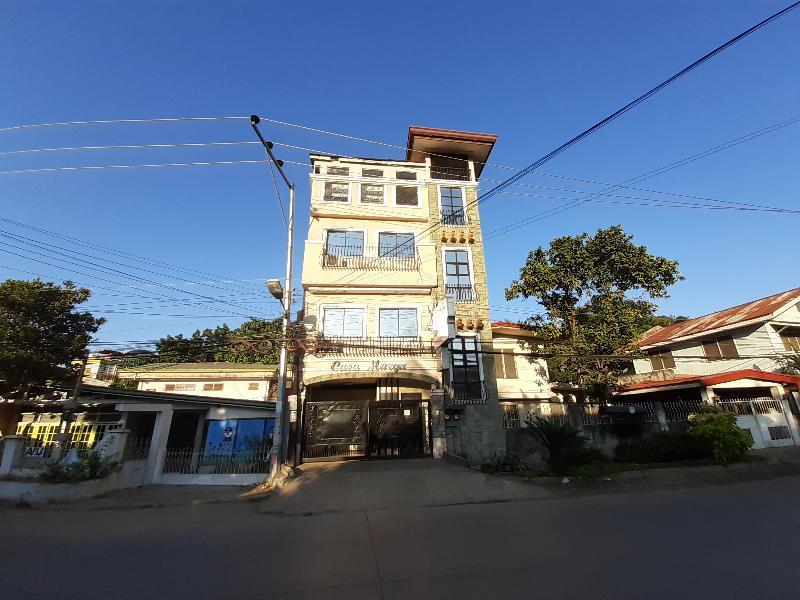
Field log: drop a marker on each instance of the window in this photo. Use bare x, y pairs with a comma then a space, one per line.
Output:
338, 170
212, 387
791, 339
662, 360
254, 385
407, 175
453, 206
397, 322
372, 173
345, 243
344, 322
396, 244
720, 348
458, 280
505, 366
337, 191
371, 194
406, 195
466, 371
179, 387
510, 416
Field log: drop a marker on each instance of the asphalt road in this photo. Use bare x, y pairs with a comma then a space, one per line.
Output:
733, 541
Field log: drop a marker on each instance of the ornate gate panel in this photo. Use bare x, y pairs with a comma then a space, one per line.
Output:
335, 430
396, 429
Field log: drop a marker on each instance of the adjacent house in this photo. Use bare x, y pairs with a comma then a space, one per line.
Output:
730, 358
393, 258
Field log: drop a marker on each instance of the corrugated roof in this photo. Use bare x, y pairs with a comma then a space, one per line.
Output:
757, 309
713, 379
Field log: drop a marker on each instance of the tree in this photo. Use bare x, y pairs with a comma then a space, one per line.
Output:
41, 332
596, 292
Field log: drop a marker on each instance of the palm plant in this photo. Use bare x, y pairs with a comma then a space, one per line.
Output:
555, 437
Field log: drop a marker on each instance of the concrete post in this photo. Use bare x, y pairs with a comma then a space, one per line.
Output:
112, 445
12, 452
661, 415
158, 445
438, 433
787, 412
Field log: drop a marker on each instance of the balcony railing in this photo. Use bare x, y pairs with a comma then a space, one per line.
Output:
451, 173
461, 294
461, 393
373, 346
453, 218
372, 258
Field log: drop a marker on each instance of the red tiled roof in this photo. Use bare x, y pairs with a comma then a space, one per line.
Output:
506, 324
707, 380
749, 311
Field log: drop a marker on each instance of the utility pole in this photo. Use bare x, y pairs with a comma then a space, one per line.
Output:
280, 438
71, 404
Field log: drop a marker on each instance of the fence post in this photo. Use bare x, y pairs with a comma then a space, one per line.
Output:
661, 415
158, 445
438, 433
12, 453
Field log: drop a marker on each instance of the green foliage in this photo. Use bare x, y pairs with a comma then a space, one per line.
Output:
578, 456
585, 284
662, 447
124, 384
556, 437
41, 333
790, 363
91, 466
717, 428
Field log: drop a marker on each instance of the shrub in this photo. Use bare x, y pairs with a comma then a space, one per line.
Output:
661, 447
718, 429
556, 437
91, 466
581, 455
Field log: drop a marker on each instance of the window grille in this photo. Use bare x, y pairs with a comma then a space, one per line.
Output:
406, 195
337, 191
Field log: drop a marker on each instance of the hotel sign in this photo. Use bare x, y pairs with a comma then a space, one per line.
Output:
338, 366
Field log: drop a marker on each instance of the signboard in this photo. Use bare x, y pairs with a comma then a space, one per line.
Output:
443, 321
36, 452
339, 366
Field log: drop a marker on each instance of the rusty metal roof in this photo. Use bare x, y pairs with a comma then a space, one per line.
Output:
750, 311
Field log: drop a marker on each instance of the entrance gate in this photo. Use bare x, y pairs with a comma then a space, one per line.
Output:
362, 429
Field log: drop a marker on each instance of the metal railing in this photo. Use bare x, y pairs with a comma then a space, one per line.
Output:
373, 346
462, 393
461, 294
214, 462
374, 258
35, 452
553, 411
679, 410
593, 413
451, 173
453, 218
764, 405
136, 448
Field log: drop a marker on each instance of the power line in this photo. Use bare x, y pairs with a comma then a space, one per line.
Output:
126, 147
111, 121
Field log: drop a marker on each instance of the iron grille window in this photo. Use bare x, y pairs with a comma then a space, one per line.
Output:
511, 416
396, 244
407, 175
337, 191
179, 387
407, 195
458, 279
344, 322
720, 348
397, 322
662, 360
345, 243
253, 386
505, 366
212, 387
466, 371
372, 173
371, 194
791, 339
453, 206
338, 170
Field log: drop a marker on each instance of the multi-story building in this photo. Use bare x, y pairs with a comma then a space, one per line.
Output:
394, 252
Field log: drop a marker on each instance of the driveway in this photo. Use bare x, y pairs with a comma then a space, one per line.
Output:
332, 487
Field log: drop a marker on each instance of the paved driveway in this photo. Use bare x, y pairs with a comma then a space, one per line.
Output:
380, 485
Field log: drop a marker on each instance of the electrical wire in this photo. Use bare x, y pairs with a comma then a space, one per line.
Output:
114, 121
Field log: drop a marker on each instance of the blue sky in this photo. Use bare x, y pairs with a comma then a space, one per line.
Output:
535, 73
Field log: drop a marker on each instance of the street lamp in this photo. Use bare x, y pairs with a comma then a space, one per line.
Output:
280, 438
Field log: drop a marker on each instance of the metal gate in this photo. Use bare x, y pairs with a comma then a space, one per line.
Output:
762, 417
360, 429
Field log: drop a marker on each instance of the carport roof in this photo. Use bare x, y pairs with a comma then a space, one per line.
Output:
708, 380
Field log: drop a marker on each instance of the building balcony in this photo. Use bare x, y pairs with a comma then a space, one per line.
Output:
373, 346
370, 266
375, 258
453, 218
462, 393
461, 294
451, 173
